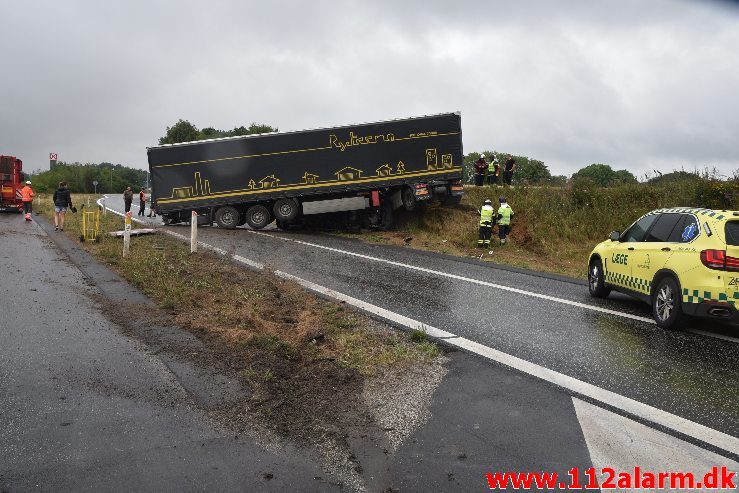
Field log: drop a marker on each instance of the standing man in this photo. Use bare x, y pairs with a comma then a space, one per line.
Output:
487, 220
505, 214
142, 201
62, 200
481, 166
493, 170
128, 198
27, 199
509, 167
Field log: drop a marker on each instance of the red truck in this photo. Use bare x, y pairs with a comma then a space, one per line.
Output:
11, 183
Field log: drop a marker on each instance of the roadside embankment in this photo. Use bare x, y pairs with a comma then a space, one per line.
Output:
316, 373
554, 228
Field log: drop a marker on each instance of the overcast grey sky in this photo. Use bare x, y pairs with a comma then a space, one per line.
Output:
636, 84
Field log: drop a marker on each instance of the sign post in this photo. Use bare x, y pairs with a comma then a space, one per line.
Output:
95, 184
126, 234
52, 160
194, 232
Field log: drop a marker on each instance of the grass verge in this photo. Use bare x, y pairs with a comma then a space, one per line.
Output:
303, 358
554, 228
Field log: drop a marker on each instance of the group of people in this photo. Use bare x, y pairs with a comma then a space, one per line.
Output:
62, 200
492, 170
489, 217
128, 200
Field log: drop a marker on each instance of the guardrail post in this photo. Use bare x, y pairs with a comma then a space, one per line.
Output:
102, 201
126, 233
194, 232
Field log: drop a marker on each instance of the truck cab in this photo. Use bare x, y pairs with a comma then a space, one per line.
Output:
11, 183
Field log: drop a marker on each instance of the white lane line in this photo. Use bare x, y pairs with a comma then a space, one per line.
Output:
467, 279
644, 411
711, 334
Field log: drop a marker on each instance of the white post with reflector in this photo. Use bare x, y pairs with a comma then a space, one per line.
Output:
194, 232
126, 233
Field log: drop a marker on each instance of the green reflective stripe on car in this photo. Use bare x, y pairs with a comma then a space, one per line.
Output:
635, 283
699, 296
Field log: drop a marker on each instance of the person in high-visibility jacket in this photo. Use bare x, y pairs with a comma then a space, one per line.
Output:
27, 199
504, 216
487, 219
493, 170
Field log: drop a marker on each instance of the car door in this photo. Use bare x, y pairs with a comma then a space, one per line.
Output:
618, 265
650, 255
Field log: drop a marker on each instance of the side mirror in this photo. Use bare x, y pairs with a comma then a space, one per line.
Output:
614, 236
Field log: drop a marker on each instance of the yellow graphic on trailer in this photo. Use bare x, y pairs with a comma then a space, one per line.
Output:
348, 173
431, 159
310, 178
270, 181
384, 170
199, 189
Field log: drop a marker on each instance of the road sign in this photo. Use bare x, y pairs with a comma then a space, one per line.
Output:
94, 183
52, 156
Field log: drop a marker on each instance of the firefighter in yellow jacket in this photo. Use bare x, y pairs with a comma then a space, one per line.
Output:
504, 216
487, 219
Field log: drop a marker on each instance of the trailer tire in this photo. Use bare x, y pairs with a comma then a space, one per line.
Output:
286, 210
227, 217
258, 216
450, 200
408, 197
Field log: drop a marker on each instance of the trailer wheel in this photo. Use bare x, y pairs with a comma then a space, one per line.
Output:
258, 216
227, 217
286, 210
408, 197
452, 200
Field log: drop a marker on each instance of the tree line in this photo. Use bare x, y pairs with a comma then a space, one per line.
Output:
114, 178
111, 178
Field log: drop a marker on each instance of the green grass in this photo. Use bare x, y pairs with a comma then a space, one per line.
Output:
554, 228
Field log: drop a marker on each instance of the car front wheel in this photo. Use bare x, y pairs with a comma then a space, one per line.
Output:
667, 305
596, 280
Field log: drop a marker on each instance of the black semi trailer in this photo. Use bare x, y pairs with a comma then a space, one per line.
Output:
370, 169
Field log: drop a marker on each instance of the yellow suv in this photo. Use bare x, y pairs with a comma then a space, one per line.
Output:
684, 262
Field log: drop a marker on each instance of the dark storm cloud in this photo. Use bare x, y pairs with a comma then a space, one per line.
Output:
636, 84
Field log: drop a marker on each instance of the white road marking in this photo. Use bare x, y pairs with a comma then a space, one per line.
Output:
467, 279
621, 443
711, 334
643, 411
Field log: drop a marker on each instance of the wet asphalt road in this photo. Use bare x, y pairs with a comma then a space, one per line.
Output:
85, 408
692, 375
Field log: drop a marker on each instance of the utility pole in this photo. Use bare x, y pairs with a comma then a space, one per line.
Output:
111, 179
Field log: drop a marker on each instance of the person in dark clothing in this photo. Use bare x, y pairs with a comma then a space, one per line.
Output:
128, 198
481, 167
62, 200
509, 167
142, 201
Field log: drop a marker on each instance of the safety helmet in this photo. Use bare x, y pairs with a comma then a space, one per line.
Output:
488, 201
502, 199
28, 182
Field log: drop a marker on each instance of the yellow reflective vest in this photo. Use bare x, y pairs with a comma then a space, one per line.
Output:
504, 214
486, 215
